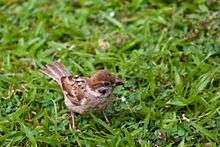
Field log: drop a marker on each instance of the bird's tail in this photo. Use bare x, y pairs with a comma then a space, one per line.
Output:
56, 71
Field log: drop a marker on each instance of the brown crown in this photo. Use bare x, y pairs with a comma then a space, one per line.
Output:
100, 78
104, 75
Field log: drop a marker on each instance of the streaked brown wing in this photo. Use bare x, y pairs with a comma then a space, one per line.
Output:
73, 88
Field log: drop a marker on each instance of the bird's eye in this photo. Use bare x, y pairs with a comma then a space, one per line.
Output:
102, 91
107, 84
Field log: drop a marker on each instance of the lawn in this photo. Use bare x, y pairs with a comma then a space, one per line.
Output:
167, 52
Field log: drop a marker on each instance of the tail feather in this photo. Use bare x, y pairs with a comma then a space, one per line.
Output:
56, 71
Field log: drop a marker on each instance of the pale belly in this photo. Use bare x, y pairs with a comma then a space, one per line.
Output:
97, 104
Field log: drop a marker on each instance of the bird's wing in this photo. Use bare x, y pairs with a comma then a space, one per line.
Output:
74, 88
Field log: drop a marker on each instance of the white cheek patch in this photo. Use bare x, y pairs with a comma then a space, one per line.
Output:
92, 93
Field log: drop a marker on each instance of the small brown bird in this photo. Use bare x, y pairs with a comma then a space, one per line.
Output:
83, 94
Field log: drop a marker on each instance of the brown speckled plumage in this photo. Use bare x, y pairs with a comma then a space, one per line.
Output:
84, 94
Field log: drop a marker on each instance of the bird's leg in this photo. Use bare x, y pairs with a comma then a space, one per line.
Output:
73, 120
106, 118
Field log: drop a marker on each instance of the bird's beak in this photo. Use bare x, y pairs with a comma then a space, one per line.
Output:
118, 82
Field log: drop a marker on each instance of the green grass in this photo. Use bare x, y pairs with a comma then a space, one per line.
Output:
168, 54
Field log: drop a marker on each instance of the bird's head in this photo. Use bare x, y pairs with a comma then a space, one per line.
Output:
103, 83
